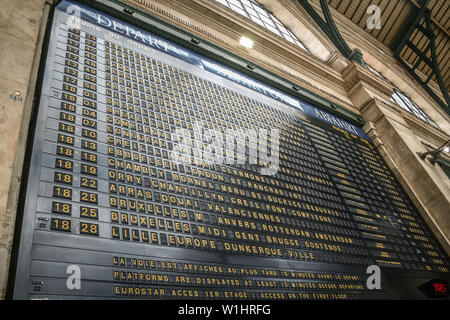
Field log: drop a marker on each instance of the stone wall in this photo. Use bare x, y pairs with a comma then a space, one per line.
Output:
21, 26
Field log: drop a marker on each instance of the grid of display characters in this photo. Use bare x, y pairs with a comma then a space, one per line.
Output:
113, 200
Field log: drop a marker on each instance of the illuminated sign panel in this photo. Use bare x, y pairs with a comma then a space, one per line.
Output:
435, 288
134, 191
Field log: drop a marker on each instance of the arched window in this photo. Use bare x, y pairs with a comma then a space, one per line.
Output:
254, 11
404, 101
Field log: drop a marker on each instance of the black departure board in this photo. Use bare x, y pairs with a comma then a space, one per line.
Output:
110, 213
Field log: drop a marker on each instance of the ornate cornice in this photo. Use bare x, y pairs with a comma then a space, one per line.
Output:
415, 123
155, 8
151, 6
355, 74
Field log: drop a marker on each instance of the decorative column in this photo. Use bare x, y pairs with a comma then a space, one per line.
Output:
393, 133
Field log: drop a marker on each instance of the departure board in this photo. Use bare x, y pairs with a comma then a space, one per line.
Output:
117, 209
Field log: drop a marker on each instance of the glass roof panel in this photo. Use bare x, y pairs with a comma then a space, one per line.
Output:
251, 9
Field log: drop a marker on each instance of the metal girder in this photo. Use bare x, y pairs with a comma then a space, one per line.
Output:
329, 27
402, 40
